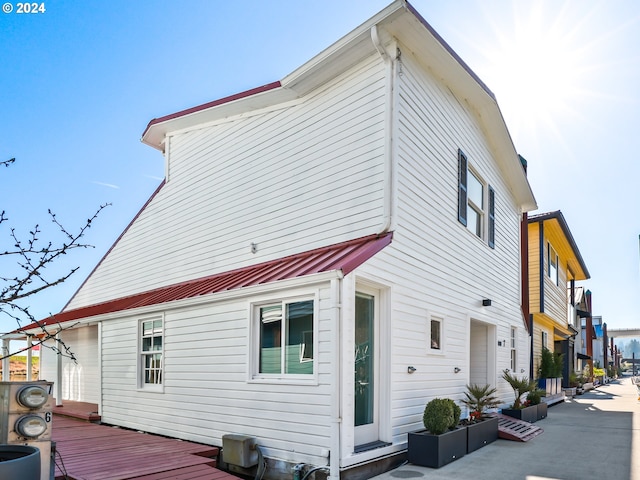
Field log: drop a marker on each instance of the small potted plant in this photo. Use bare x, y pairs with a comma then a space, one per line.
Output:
443, 441
520, 409
481, 428
535, 399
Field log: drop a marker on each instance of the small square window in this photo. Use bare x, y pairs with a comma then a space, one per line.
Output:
435, 334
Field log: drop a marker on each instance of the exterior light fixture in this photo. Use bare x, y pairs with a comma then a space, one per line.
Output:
456, 370
486, 302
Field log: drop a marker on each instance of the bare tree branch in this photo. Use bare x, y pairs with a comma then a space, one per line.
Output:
25, 261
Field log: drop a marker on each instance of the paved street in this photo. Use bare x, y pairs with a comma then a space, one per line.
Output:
593, 436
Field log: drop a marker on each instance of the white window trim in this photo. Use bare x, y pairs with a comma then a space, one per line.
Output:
441, 319
148, 387
254, 339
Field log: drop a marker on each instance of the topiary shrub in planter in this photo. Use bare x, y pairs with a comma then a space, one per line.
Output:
443, 441
481, 429
519, 410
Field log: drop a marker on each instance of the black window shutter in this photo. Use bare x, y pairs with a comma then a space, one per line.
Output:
462, 188
492, 218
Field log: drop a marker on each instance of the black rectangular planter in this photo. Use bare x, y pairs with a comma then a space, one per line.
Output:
428, 450
482, 433
528, 414
541, 411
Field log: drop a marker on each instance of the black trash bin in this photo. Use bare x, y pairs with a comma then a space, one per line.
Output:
19, 462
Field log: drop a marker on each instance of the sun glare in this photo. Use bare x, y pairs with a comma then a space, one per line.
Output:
538, 66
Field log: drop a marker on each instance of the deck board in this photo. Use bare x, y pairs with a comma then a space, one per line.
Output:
99, 452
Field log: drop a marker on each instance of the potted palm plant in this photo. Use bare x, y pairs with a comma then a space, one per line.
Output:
481, 428
443, 440
520, 409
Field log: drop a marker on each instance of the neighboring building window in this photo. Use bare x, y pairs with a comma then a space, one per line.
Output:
151, 344
286, 341
474, 211
552, 269
544, 339
514, 351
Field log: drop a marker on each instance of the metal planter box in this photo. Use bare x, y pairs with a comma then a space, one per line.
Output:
482, 433
434, 451
528, 414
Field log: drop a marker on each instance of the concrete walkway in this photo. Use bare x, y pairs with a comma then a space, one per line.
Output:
592, 436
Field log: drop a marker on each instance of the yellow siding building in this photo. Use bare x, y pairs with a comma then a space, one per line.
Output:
555, 264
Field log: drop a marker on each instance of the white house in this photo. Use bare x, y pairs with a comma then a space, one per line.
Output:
326, 254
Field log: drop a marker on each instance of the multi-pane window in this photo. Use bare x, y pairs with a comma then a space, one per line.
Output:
151, 333
476, 202
286, 338
552, 269
514, 351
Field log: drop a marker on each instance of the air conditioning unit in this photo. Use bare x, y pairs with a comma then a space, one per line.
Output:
25, 418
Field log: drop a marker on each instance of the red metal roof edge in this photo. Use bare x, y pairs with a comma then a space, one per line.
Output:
214, 103
351, 254
116, 242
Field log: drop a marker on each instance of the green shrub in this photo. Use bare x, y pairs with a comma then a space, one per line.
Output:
439, 415
557, 364
535, 396
547, 366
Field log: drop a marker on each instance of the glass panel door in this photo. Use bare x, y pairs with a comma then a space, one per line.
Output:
365, 410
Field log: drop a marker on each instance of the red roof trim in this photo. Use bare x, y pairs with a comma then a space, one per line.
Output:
215, 103
345, 256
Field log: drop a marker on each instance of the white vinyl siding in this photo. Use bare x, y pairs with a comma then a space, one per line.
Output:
206, 389
288, 180
80, 380
428, 262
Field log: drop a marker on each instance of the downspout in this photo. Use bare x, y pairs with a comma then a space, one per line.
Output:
336, 399
29, 358
389, 158
58, 382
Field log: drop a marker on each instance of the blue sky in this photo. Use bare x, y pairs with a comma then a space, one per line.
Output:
80, 82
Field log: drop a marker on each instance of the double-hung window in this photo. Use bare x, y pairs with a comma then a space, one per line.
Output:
151, 348
476, 202
285, 338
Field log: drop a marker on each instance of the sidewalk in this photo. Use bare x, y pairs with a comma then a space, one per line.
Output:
595, 435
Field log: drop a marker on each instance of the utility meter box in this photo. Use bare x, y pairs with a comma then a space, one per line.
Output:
239, 450
26, 417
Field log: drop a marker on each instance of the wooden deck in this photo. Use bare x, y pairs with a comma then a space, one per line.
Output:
88, 451
82, 410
